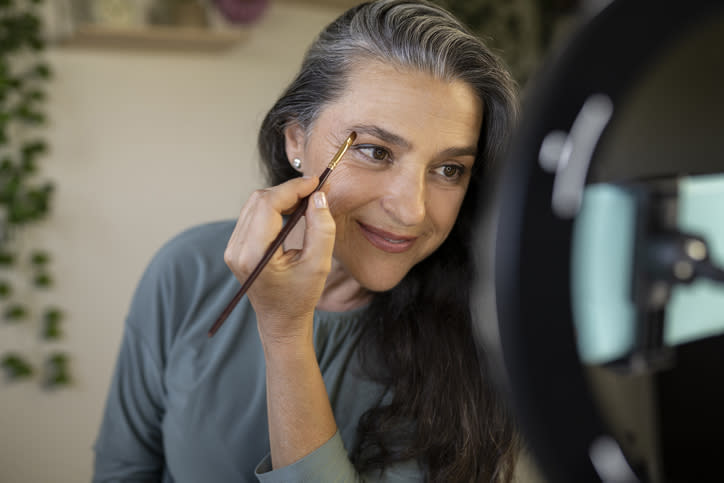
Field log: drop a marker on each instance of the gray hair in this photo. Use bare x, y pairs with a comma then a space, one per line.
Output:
407, 34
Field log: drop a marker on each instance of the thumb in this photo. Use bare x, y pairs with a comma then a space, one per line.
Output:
319, 233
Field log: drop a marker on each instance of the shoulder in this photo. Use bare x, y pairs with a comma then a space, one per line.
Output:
184, 265
184, 282
194, 250
198, 241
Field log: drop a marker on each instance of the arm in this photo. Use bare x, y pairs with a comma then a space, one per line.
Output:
299, 413
292, 375
304, 438
284, 296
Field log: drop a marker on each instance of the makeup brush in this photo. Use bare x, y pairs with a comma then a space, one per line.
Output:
277, 242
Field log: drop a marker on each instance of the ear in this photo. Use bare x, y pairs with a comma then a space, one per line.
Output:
294, 140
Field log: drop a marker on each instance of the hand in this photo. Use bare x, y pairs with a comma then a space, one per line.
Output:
289, 287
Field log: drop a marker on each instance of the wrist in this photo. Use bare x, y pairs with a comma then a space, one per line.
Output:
289, 358
293, 338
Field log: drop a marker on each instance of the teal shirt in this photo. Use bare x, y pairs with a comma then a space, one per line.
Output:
183, 407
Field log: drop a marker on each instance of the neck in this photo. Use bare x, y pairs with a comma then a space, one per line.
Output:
342, 292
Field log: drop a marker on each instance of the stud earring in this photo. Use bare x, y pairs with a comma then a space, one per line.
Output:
297, 163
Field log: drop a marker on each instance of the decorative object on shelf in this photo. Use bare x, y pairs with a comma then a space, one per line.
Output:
187, 13
242, 11
187, 25
25, 199
119, 13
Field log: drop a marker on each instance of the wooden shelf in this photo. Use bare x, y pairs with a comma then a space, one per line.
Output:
155, 37
340, 4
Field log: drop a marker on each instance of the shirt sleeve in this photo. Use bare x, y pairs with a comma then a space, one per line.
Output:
330, 464
129, 444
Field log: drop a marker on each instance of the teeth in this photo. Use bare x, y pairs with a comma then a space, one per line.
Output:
394, 241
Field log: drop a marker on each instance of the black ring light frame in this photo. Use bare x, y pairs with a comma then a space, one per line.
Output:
535, 329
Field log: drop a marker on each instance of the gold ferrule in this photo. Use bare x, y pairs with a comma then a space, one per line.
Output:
343, 149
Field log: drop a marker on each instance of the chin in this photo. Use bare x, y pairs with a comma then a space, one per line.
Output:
376, 282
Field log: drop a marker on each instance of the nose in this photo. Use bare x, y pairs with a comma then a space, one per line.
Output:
406, 197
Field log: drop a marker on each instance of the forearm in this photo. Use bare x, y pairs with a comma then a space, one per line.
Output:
300, 415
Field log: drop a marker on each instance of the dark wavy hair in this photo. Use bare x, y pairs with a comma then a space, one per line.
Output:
419, 340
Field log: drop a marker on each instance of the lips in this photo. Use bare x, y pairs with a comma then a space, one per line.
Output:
386, 241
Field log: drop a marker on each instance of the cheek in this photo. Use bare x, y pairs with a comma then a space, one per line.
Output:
340, 191
349, 188
443, 213
344, 196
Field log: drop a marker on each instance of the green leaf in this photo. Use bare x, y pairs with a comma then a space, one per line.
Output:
5, 289
9, 189
20, 211
53, 315
14, 82
34, 148
16, 367
34, 95
16, 313
42, 71
28, 165
43, 280
51, 322
39, 258
6, 259
26, 114
57, 371
6, 166
36, 43
58, 358
30, 205
52, 331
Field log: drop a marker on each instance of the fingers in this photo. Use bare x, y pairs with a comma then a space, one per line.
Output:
287, 274
260, 221
267, 204
319, 233
284, 197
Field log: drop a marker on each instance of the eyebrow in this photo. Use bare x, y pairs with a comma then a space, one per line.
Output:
383, 134
392, 138
463, 151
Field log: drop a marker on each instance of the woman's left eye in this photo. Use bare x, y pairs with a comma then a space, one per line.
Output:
451, 171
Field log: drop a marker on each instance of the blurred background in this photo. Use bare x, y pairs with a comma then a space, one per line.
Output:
122, 123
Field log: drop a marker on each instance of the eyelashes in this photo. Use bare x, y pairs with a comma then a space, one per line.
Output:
373, 152
378, 155
453, 172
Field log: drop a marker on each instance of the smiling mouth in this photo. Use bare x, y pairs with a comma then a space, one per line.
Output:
385, 241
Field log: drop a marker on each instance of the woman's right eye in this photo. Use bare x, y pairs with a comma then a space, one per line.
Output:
376, 153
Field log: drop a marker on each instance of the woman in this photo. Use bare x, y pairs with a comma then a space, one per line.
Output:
352, 355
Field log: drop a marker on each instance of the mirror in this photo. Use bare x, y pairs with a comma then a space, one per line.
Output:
603, 321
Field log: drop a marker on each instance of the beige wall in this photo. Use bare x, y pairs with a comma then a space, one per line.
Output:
144, 144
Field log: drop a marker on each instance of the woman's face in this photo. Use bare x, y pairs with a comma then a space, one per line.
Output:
397, 191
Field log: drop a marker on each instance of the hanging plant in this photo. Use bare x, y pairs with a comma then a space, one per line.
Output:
25, 198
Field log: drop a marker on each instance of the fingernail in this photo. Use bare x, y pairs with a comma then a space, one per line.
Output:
320, 201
